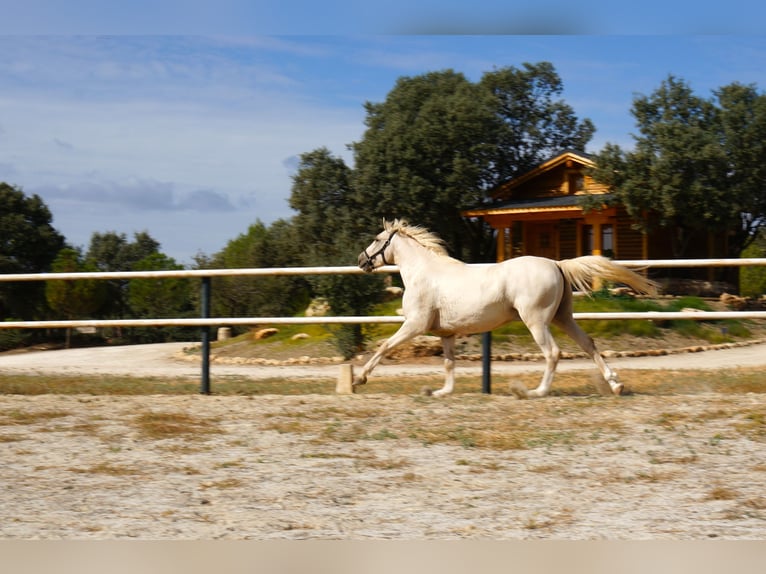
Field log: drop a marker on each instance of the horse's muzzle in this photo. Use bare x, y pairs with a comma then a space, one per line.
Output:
365, 263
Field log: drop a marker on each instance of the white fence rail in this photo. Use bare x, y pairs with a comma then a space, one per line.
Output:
350, 320
254, 272
205, 321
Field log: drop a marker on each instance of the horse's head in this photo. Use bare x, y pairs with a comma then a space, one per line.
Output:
375, 254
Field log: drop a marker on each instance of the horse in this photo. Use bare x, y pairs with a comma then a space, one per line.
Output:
448, 297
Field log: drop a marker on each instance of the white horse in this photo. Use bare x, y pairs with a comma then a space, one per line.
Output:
446, 297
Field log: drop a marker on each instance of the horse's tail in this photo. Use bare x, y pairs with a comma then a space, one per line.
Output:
582, 271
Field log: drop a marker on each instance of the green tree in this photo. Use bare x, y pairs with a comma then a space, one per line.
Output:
742, 113
535, 123
260, 246
154, 298
327, 215
439, 142
426, 154
158, 297
697, 165
28, 244
111, 251
752, 280
73, 299
328, 229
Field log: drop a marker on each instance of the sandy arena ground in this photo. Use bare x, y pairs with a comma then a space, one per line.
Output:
376, 466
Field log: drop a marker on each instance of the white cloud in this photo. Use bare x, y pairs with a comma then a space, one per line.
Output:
111, 132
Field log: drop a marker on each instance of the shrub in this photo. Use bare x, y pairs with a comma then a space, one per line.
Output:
752, 280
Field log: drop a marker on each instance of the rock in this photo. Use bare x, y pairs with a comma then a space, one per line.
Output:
391, 293
422, 346
265, 333
733, 301
318, 308
299, 336
622, 291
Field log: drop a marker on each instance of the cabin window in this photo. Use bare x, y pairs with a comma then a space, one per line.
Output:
576, 183
517, 238
587, 240
607, 240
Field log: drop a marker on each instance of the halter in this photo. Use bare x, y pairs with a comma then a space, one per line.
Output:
381, 252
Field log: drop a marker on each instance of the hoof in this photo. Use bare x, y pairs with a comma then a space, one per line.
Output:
604, 388
617, 388
519, 391
359, 381
426, 392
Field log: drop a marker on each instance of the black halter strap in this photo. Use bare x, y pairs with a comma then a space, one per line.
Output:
381, 251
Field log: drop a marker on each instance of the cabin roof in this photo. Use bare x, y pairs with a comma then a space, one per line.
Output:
532, 204
506, 188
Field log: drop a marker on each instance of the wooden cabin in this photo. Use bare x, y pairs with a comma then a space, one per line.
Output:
540, 213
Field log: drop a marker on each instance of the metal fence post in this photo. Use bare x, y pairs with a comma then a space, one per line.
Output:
486, 362
205, 333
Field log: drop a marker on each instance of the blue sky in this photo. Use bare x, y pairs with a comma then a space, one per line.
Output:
194, 137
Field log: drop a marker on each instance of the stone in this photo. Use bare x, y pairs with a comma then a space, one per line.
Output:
265, 333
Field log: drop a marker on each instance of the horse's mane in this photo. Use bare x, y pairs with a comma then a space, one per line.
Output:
426, 238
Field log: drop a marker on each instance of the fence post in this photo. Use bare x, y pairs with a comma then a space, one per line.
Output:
205, 333
486, 362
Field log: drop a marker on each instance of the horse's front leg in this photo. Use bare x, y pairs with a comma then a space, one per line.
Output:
448, 344
407, 331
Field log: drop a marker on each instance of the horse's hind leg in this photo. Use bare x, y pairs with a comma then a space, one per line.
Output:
567, 323
551, 352
448, 344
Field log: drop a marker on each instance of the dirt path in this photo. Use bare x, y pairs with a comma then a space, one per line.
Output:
163, 360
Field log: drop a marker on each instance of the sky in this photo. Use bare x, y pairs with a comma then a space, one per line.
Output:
192, 132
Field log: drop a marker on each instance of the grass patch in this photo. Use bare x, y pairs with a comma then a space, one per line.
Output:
722, 492
17, 417
4, 438
95, 385
223, 484
496, 425
753, 426
167, 425
321, 340
713, 332
579, 383
108, 469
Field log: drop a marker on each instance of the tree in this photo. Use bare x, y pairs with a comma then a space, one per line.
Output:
111, 251
158, 297
328, 230
743, 133
73, 299
260, 246
28, 244
426, 154
697, 165
153, 298
327, 213
535, 125
752, 280
439, 142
